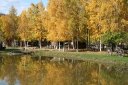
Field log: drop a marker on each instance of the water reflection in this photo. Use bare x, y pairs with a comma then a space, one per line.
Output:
38, 70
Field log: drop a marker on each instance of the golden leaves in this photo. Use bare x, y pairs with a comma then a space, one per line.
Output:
105, 16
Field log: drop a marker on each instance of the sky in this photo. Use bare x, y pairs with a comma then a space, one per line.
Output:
19, 5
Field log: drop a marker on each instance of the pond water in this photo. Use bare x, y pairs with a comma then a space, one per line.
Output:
40, 70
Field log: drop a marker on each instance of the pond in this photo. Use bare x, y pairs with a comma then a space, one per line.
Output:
42, 70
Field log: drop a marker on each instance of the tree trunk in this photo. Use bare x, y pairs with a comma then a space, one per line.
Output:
20, 44
0, 45
77, 42
40, 44
25, 45
59, 45
113, 46
77, 45
64, 46
73, 44
68, 46
100, 46
14, 43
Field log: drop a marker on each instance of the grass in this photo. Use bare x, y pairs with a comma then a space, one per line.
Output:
99, 56
87, 55
11, 49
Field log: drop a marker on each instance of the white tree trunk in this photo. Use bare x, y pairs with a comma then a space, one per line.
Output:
77, 45
73, 44
63, 46
100, 46
59, 45
25, 44
68, 46
40, 44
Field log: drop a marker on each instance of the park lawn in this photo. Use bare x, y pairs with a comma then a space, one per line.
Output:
11, 49
88, 55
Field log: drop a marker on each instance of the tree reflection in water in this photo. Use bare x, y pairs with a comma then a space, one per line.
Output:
29, 70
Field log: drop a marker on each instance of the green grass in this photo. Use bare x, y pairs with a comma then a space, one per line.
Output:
91, 56
13, 47
10, 49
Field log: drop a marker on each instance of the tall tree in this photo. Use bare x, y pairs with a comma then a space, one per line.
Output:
72, 11
103, 20
9, 25
41, 23
52, 32
36, 17
77, 20
14, 22
57, 27
5, 28
23, 29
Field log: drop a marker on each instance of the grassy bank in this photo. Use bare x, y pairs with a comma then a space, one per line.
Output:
87, 55
11, 49
91, 56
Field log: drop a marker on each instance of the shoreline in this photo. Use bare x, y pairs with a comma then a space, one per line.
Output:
98, 57
79, 56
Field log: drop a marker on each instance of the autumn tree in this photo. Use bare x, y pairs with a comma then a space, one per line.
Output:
0, 33
14, 22
5, 28
103, 20
23, 29
36, 18
67, 20
72, 11
57, 27
52, 21
41, 23
9, 25
117, 30
77, 20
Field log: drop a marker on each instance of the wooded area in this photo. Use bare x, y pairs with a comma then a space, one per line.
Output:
104, 21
